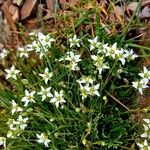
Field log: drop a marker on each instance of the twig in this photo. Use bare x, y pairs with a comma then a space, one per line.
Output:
117, 101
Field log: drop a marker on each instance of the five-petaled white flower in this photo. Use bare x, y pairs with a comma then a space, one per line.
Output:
144, 145
93, 90
15, 107
72, 57
58, 98
140, 85
130, 55
145, 75
99, 63
22, 122
3, 141
28, 97
94, 43
43, 139
12, 73
3, 53
24, 51
85, 80
84, 91
112, 50
121, 55
45, 93
42, 43
11, 124
47, 75
74, 41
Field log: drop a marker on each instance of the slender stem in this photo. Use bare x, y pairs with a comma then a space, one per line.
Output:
115, 99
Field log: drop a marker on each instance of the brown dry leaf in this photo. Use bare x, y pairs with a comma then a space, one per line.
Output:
120, 10
14, 12
73, 2
8, 17
27, 8
50, 5
66, 3
1, 1
101, 8
89, 6
145, 2
133, 6
106, 28
118, 14
144, 100
145, 13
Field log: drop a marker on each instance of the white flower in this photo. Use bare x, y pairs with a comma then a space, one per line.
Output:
34, 46
144, 145
147, 121
84, 91
99, 63
45, 40
3, 141
3, 53
11, 134
146, 126
145, 75
24, 51
15, 107
33, 33
47, 75
89, 90
58, 98
85, 80
93, 90
73, 66
74, 41
103, 48
130, 55
73, 58
121, 56
22, 122
12, 73
112, 50
45, 93
140, 85
28, 97
11, 124
94, 43
42, 43
43, 139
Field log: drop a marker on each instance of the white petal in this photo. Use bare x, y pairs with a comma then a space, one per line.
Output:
147, 120
144, 135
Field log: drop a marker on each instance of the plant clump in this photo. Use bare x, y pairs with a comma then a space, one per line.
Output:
73, 99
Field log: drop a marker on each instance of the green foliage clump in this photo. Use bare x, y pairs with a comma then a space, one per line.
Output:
72, 99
